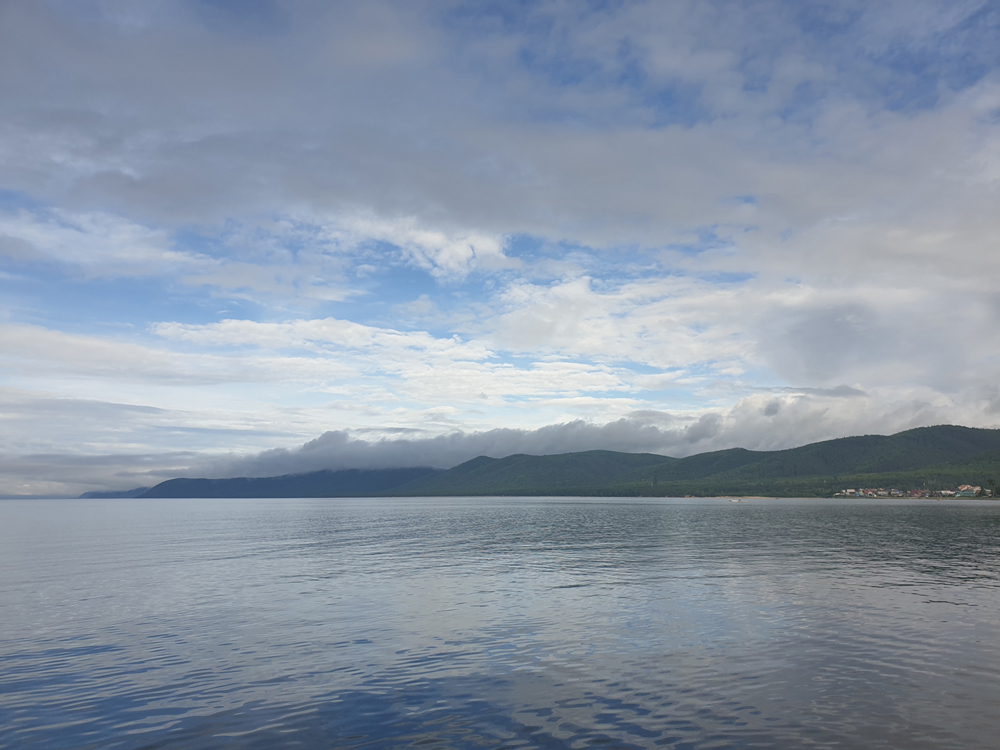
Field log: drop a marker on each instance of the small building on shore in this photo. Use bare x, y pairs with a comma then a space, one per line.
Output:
967, 490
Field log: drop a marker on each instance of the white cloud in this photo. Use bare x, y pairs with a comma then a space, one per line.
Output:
419, 366
446, 255
328, 334
764, 421
92, 243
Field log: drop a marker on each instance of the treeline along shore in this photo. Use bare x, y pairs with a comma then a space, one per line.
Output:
923, 460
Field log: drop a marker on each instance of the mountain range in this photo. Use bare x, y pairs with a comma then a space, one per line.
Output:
940, 457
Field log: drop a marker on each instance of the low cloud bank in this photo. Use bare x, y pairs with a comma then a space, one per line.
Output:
766, 421
771, 420
341, 450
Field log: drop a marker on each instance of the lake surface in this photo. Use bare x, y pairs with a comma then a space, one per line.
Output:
499, 623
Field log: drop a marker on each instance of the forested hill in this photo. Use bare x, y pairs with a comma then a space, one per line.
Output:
344, 483
566, 473
939, 457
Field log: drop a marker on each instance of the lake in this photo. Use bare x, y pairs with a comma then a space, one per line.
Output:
499, 623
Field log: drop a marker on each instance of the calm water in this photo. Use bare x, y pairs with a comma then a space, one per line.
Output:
513, 623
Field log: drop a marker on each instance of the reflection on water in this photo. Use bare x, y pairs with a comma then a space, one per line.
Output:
482, 623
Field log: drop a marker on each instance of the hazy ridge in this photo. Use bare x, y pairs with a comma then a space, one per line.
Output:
937, 457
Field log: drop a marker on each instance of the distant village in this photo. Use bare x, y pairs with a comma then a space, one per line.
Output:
965, 490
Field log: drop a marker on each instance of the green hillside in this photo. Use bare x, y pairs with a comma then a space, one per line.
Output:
982, 470
933, 458
924, 458
869, 454
826, 465
521, 474
343, 483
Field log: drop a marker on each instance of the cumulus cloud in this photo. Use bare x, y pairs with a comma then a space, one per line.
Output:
759, 422
447, 255
93, 243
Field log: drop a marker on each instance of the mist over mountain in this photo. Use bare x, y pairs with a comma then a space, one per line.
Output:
925, 458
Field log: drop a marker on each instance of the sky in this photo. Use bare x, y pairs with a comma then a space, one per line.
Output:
255, 237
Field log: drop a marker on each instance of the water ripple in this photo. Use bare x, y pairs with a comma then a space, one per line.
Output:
498, 623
